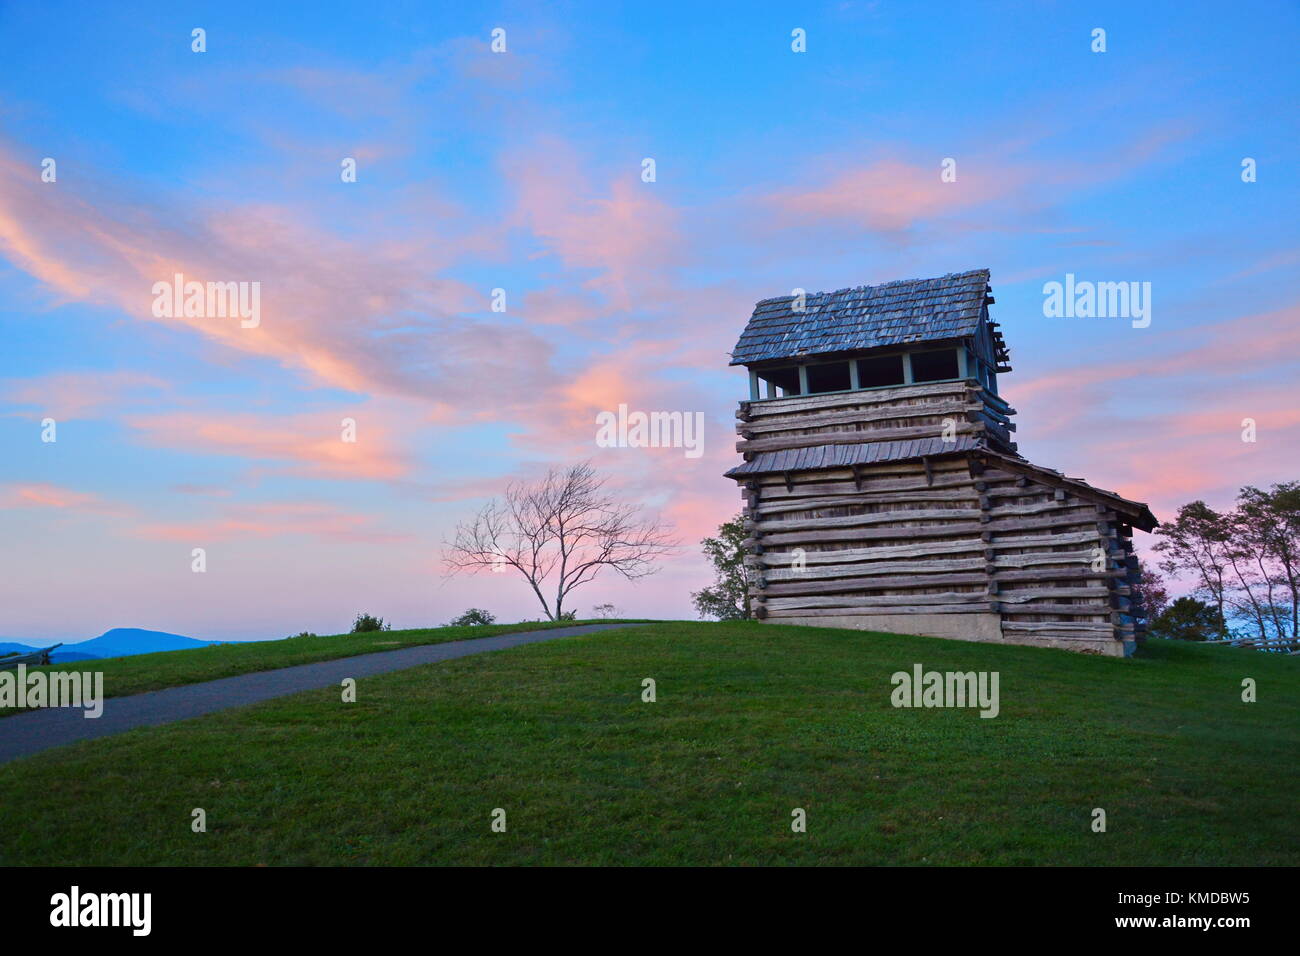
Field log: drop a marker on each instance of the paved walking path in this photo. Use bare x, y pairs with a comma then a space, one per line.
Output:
24, 734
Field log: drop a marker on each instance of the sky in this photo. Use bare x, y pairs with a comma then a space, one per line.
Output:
524, 171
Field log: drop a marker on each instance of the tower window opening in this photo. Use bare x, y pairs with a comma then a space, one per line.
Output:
934, 366
828, 378
880, 370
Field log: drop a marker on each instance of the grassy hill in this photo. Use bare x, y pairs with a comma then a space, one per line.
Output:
751, 721
139, 673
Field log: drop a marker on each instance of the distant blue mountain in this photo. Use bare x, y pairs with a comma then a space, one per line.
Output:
118, 642
8, 647
125, 641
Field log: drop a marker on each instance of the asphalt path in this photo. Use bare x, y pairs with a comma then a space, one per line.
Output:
33, 731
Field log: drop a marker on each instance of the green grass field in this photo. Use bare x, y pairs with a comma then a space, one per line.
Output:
751, 722
145, 672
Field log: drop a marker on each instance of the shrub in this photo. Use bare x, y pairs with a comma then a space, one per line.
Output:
302, 634
366, 622
474, 616
568, 616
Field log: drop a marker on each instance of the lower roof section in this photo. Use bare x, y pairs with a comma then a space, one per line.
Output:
841, 456
870, 453
1137, 511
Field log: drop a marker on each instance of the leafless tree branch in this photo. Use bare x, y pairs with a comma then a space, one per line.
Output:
558, 534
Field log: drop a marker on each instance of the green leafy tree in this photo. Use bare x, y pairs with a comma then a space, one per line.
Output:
728, 598
1188, 619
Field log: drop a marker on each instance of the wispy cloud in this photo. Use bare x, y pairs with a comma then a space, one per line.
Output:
272, 520
43, 495
312, 445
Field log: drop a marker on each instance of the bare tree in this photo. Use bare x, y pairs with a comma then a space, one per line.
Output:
558, 533
1195, 542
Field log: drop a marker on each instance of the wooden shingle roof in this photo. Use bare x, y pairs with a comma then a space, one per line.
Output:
840, 456
1137, 511
896, 313
790, 460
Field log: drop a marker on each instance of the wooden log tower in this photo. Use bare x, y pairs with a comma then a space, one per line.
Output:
883, 491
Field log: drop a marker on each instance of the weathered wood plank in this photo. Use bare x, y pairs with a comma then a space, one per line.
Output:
850, 416
1022, 595
815, 572
887, 601
994, 400
1005, 510
1066, 517
878, 517
779, 558
1070, 574
902, 609
1041, 540
1082, 629
1084, 610
876, 396
861, 498
1079, 559
948, 530
775, 490
898, 584
1013, 491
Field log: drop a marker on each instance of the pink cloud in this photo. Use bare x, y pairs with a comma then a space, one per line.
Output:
888, 195
270, 520
66, 396
891, 194
626, 234
366, 316
42, 495
312, 444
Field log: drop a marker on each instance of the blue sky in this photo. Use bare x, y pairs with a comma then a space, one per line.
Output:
522, 170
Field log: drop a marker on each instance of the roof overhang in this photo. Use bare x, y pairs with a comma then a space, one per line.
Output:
791, 460
846, 355
1137, 512
844, 456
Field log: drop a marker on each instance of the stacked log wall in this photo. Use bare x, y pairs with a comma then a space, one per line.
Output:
1061, 567
885, 539
951, 536
884, 414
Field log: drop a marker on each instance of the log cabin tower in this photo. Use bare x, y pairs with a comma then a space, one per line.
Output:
883, 490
